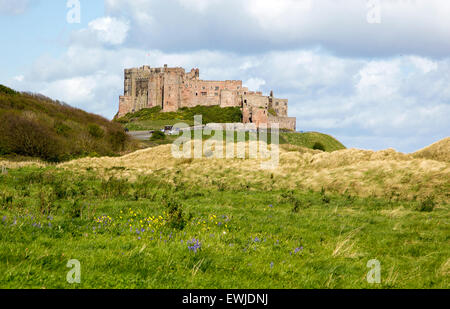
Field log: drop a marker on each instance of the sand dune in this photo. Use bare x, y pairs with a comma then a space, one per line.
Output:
385, 173
439, 151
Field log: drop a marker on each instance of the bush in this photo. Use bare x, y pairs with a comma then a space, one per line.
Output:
175, 213
318, 146
33, 125
95, 131
158, 136
6, 90
427, 205
118, 139
28, 137
62, 129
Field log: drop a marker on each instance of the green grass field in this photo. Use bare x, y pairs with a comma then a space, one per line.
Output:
309, 139
144, 234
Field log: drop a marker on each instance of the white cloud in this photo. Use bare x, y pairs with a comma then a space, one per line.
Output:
15, 7
420, 27
110, 30
19, 78
254, 83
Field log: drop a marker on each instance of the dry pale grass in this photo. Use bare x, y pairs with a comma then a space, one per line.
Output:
439, 151
444, 270
345, 245
384, 173
11, 164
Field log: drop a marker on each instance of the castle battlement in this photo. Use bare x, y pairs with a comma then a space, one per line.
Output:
173, 88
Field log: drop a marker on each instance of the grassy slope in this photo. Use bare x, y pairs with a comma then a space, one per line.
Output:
248, 237
36, 126
152, 118
310, 138
439, 151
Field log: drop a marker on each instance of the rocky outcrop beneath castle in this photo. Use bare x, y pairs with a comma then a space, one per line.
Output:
173, 88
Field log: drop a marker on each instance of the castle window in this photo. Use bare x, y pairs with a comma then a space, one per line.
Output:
204, 93
217, 88
196, 93
216, 94
203, 88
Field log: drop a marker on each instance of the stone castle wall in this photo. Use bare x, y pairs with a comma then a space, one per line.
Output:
173, 88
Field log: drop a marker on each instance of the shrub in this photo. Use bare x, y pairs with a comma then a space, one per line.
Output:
157, 136
175, 213
28, 137
95, 131
6, 90
318, 146
117, 139
427, 205
62, 129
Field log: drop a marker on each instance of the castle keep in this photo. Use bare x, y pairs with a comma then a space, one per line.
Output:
173, 88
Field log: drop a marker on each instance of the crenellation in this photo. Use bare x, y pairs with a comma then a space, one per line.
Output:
173, 88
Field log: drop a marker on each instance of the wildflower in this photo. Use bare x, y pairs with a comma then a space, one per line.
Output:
297, 250
195, 245
271, 265
4, 218
271, 206
256, 239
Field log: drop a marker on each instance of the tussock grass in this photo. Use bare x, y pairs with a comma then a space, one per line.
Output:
439, 151
386, 173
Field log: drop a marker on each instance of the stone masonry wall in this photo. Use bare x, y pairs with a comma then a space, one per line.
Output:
173, 88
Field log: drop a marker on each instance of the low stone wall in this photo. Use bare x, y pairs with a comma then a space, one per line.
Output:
288, 123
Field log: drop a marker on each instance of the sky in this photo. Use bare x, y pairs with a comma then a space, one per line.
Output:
375, 74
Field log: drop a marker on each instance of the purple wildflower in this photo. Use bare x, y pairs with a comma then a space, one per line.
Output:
195, 245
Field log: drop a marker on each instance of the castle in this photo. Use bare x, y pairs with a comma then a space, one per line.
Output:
173, 88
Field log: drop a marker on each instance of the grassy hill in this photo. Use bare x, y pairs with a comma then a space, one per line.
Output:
152, 118
439, 151
312, 140
32, 125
